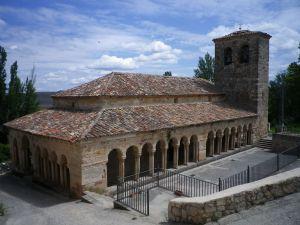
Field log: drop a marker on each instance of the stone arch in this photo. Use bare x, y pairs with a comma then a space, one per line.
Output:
225, 140
172, 154
193, 149
244, 54
183, 151
238, 136
131, 161
159, 155
146, 160
16, 157
45, 164
244, 136
65, 173
38, 163
218, 142
114, 167
227, 56
26, 155
210, 144
232, 138
53, 168
249, 134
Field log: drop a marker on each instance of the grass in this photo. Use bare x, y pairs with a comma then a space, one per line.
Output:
4, 152
2, 209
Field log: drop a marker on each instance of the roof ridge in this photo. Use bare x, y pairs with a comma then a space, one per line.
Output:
84, 134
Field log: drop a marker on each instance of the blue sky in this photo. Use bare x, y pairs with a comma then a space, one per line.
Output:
71, 42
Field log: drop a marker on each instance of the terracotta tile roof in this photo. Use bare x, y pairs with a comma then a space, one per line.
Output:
136, 84
75, 126
65, 125
242, 33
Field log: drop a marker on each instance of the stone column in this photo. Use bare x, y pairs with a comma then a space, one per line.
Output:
219, 144
122, 168
137, 167
211, 146
175, 158
62, 176
186, 153
164, 158
151, 162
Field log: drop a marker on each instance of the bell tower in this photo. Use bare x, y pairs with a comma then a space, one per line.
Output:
242, 72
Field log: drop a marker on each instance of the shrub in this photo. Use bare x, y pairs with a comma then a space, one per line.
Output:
4, 152
2, 209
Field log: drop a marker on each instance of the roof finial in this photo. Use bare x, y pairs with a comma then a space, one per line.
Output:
240, 26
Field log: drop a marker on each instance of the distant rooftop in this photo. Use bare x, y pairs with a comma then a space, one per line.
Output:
138, 84
242, 33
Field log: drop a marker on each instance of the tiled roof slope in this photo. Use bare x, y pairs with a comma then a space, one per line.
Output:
65, 125
75, 126
135, 84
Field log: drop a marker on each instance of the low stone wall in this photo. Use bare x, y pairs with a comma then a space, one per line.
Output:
200, 210
284, 141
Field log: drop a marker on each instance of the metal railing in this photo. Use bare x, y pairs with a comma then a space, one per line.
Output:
133, 190
187, 185
261, 170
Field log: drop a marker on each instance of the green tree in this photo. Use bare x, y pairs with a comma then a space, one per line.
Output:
206, 68
167, 74
15, 94
3, 57
30, 97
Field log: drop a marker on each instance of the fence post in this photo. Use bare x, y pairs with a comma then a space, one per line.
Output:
248, 174
147, 202
277, 161
220, 184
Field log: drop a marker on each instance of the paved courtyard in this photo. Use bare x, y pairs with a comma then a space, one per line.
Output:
30, 204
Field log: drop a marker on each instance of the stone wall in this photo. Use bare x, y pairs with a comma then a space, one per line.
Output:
92, 103
201, 210
284, 141
95, 152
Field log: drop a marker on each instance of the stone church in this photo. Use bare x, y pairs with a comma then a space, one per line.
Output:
128, 123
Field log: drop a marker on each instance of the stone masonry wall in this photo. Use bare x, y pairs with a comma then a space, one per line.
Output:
284, 141
211, 208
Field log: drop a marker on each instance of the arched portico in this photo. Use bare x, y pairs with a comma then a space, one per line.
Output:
16, 157
193, 149
249, 135
26, 155
147, 160
160, 155
183, 151
132, 162
65, 173
218, 142
114, 167
210, 144
232, 138
172, 154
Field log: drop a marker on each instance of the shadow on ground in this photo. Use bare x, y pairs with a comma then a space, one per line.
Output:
30, 192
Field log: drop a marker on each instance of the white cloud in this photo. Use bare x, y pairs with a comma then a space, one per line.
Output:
114, 63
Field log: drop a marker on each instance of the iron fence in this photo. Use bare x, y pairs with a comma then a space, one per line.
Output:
133, 190
261, 170
187, 185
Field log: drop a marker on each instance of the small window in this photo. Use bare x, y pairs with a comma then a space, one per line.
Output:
227, 56
244, 54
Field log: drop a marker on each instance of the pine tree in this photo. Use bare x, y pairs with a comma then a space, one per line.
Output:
3, 57
30, 99
15, 94
167, 74
205, 68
